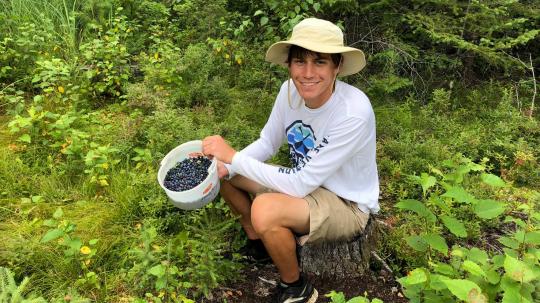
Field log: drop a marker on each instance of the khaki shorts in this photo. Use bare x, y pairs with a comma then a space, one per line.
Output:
332, 218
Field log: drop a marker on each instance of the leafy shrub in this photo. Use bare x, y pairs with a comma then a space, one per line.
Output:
67, 136
20, 48
191, 262
193, 18
76, 252
471, 274
167, 129
106, 63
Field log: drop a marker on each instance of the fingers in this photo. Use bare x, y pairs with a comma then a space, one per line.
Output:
208, 145
217, 147
212, 145
222, 170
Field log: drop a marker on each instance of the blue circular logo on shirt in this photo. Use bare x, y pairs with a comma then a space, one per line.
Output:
301, 140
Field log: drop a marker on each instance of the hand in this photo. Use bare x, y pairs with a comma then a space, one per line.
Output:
216, 146
222, 170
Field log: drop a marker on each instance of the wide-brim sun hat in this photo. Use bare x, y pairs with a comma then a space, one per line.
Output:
319, 36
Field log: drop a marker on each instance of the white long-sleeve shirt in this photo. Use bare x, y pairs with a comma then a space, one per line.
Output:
332, 146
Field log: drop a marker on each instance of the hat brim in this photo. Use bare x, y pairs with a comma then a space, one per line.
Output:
353, 58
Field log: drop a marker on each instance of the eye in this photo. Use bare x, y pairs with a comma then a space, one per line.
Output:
321, 61
298, 61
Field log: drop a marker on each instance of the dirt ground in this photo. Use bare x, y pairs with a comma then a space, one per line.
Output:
260, 281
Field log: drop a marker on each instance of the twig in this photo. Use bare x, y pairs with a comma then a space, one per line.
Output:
534, 85
384, 264
465, 20
273, 283
382, 223
13, 83
531, 67
408, 59
517, 97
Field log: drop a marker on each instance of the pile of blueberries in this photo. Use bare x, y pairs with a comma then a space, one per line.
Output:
187, 173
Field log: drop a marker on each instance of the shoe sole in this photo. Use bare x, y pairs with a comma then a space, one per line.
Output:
314, 296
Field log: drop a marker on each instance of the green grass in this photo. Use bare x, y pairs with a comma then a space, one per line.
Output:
58, 16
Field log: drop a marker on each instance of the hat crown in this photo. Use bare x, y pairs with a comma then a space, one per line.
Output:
317, 31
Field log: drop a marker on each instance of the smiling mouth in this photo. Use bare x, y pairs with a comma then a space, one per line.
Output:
309, 83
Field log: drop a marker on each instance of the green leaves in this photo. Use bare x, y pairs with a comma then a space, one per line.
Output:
454, 226
339, 297
436, 242
52, 234
520, 271
25, 138
426, 181
416, 276
58, 213
422, 242
465, 290
488, 209
459, 194
492, 180
417, 243
473, 268
158, 270
469, 269
418, 207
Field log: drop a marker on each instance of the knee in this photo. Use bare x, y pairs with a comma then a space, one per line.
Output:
262, 214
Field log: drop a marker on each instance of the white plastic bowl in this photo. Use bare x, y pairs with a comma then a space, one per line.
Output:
201, 194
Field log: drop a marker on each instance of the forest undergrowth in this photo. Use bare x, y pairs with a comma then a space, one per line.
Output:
93, 94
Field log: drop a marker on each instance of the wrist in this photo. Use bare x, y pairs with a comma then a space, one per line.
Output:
230, 159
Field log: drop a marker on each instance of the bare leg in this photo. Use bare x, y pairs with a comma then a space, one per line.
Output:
275, 217
236, 192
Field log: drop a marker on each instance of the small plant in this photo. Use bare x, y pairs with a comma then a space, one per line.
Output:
339, 297
154, 269
74, 249
190, 263
99, 161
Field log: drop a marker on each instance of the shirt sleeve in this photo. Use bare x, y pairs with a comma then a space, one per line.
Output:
343, 141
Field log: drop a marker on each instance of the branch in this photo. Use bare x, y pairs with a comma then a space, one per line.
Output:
384, 264
529, 66
534, 85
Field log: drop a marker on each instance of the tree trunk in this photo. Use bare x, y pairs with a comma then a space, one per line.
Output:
348, 259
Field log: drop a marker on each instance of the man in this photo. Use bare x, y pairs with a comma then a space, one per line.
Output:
329, 127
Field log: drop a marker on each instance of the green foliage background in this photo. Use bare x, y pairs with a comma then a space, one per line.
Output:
94, 93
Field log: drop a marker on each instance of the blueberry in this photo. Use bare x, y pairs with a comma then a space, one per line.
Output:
187, 173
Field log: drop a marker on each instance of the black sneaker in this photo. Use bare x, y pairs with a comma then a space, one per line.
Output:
255, 252
305, 293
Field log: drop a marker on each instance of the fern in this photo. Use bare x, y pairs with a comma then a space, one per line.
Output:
10, 292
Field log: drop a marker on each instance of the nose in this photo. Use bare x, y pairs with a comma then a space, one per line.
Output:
309, 70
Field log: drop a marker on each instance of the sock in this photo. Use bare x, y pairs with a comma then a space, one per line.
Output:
296, 283
257, 244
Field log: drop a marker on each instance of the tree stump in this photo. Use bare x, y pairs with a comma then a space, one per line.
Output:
336, 260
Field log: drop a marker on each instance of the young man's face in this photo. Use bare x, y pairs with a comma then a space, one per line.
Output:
313, 75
